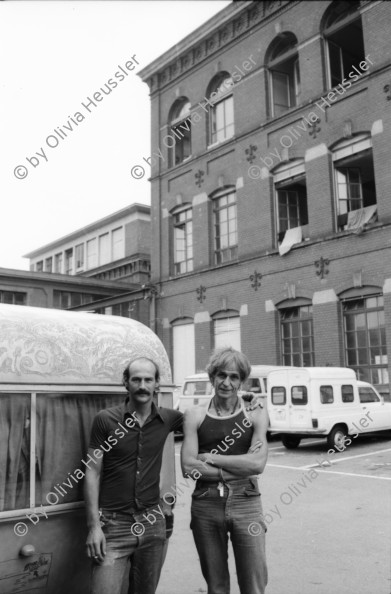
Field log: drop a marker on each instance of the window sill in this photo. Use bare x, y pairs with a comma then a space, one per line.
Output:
219, 143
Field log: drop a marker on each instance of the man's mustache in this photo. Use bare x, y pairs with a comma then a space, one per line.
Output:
142, 392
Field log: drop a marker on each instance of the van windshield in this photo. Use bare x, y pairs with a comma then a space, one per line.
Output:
197, 388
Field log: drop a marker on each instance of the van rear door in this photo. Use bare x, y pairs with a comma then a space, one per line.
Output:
278, 406
300, 400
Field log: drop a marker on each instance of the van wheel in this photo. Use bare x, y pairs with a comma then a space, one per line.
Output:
290, 441
337, 437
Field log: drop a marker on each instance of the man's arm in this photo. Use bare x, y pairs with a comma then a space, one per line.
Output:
189, 452
255, 460
96, 541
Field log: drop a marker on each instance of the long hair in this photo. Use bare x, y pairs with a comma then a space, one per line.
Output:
226, 357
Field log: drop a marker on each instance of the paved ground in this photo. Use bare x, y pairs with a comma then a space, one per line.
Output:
329, 531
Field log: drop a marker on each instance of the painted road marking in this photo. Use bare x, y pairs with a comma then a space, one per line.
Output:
336, 460
326, 471
304, 443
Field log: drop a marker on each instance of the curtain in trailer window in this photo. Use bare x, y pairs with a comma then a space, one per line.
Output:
14, 451
63, 431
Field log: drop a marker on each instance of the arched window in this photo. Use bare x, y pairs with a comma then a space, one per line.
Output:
226, 329
291, 203
284, 73
354, 182
365, 334
182, 218
183, 338
221, 110
180, 124
342, 31
297, 334
225, 225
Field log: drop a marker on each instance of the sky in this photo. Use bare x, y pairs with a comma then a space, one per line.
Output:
54, 55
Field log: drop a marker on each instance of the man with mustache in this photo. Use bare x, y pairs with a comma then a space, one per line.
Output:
124, 515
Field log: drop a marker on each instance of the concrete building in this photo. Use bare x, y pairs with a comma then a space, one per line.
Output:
116, 247
270, 175
103, 267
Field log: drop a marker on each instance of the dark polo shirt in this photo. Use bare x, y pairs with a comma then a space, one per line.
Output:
132, 455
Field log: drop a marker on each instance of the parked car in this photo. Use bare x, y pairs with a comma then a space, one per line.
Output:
197, 389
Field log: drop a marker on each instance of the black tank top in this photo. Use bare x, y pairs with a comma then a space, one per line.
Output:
227, 435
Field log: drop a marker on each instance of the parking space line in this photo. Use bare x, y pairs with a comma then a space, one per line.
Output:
305, 443
384, 478
336, 460
326, 471
283, 466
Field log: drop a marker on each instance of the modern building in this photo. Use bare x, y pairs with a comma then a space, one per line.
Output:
270, 184
104, 267
116, 247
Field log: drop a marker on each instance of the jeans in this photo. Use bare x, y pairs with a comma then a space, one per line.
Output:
237, 512
135, 537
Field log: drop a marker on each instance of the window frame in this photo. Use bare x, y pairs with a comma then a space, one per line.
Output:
229, 253
188, 247
297, 401
366, 369
293, 87
300, 320
218, 96
329, 31
324, 397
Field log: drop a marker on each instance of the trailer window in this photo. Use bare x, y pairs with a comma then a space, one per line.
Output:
299, 395
347, 393
14, 451
326, 394
63, 431
278, 395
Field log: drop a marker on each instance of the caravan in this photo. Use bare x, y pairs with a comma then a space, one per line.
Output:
57, 370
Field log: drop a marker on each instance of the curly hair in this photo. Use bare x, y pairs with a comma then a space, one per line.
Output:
226, 357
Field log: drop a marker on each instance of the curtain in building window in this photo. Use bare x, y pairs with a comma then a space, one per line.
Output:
184, 351
14, 451
227, 333
63, 431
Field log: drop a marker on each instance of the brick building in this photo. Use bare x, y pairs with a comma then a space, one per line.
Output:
270, 175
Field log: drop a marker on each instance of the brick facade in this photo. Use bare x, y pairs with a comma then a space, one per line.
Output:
241, 39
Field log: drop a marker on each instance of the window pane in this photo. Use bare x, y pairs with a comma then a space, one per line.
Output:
63, 430
326, 394
14, 451
347, 393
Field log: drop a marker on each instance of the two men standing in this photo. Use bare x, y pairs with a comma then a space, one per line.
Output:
224, 445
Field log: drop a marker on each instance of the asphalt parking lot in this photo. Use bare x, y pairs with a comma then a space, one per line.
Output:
328, 517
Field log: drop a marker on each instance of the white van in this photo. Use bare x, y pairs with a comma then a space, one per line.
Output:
323, 401
197, 389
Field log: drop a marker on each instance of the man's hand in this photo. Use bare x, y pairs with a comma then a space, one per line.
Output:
205, 458
254, 449
251, 400
96, 544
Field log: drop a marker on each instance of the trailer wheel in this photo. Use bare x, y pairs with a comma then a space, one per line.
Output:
291, 441
336, 438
